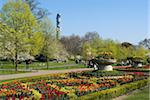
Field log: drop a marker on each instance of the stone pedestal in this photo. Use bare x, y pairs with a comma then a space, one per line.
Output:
105, 67
103, 64
139, 64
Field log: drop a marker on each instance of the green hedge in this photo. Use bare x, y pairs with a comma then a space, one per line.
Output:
100, 73
134, 70
114, 92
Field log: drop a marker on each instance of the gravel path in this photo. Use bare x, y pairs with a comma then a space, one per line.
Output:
40, 72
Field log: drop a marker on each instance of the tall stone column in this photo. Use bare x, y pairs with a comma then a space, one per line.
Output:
58, 16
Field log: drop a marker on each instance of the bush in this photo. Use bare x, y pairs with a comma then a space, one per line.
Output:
115, 92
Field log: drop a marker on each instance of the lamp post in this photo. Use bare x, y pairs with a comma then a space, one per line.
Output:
58, 16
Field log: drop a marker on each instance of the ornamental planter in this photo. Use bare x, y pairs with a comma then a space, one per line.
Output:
139, 65
103, 61
137, 62
105, 64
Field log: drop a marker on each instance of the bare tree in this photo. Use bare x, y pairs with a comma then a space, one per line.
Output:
72, 44
89, 36
145, 43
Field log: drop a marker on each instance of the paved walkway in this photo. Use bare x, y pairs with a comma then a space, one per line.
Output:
40, 72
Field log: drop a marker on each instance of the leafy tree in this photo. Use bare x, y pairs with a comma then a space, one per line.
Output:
59, 52
38, 12
52, 48
98, 44
19, 30
87, 51
141, 52
120, 52
111, 46
91, 42
48, 35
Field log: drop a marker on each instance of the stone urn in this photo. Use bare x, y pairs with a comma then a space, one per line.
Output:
137, 62
103, 62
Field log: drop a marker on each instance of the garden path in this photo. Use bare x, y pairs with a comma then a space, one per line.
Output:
40, 72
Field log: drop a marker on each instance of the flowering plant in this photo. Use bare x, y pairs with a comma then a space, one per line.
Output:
66, 86
48, 91
105, 55
14, 90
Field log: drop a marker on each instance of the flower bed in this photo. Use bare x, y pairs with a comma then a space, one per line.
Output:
14, 90
47, 91
114, 92
145, 68
121, 67
67, 85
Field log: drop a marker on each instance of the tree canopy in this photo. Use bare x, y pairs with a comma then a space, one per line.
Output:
19, 30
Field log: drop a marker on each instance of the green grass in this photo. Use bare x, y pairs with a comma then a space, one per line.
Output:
141, 95
33, 65
36, 65
68, 67
61, 63
4, 72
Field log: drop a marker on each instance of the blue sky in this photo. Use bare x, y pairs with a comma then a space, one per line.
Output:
123, 20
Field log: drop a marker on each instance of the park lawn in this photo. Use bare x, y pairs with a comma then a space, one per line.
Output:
6, 72
33, 65
67, 67
61, 63
140, 95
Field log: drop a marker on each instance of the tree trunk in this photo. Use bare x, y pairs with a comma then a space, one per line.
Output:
47, 62
13, 62
16, 63
27, 66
